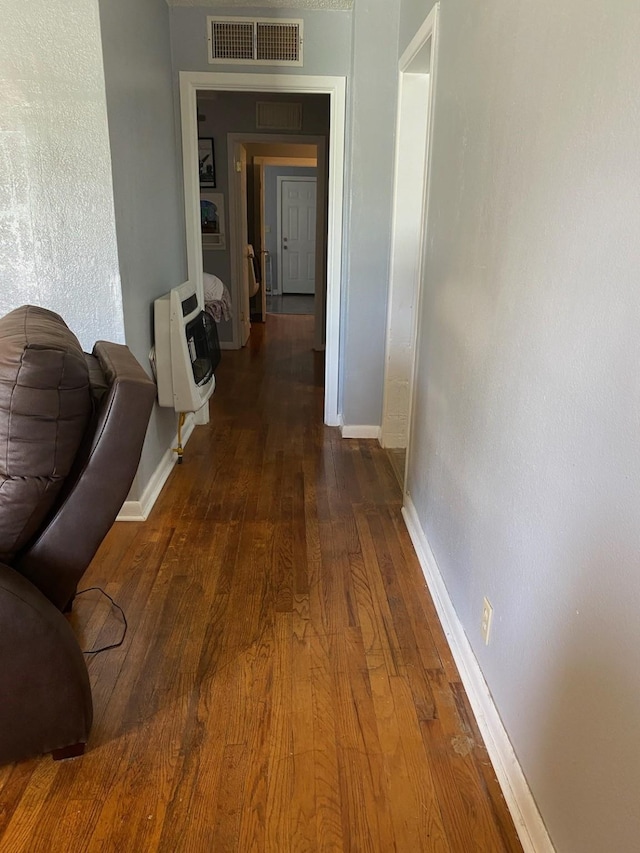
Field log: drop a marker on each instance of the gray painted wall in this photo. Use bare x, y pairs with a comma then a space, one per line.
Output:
271, 174
146, 183
526, 463
57, 230
372, 117
327, 40
413, 13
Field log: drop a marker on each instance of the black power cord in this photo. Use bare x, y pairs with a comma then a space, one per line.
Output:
124, 620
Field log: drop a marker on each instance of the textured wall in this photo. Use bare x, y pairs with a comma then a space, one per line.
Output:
57, 231
525, 468
146, 182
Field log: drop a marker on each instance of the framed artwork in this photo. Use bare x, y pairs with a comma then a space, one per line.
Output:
212, 220
206, 162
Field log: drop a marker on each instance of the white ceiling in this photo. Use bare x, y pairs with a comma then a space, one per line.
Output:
268, 4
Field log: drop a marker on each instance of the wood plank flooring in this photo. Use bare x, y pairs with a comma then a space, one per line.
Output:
285, 684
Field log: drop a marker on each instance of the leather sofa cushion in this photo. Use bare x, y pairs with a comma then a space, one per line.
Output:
45, 405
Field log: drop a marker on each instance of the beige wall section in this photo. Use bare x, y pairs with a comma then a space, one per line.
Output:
526, 465
282, 150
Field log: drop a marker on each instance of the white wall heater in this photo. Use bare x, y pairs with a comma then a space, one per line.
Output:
186, 350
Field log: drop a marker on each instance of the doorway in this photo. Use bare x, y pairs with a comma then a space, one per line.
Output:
256, 217
411, 195
335, 88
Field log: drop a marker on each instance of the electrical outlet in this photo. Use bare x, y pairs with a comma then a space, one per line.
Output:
485, 625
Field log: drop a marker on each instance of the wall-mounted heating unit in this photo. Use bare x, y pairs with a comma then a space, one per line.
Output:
186, 350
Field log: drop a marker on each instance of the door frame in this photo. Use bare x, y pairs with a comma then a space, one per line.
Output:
279, 180
335, 88
238, 242
236, 213
412, 167
262, 162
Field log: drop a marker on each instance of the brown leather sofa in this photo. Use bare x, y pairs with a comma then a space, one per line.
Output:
72, 427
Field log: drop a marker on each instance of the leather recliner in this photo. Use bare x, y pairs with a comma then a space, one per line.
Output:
72, 426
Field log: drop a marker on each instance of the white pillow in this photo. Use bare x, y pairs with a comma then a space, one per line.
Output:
213, 287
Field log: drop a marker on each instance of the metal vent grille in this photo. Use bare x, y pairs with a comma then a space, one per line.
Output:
277, 42
255, 41
272, 115
231, 40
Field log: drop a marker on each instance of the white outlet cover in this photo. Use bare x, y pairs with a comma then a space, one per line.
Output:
487, 616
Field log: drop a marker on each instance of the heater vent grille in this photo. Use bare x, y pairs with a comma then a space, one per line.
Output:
258, 41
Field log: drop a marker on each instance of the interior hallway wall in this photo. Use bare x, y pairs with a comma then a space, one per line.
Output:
526, 463
147, 184
57, 230
372, 117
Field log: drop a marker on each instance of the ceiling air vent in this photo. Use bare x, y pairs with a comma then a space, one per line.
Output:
273, 115
257, 41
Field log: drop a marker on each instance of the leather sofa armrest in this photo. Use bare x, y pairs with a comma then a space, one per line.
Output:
45, 695
60, 554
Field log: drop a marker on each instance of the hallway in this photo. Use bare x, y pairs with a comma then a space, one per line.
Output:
284, 684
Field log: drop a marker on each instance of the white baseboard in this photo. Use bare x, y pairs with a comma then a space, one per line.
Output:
360, 431
526, 817
139, 510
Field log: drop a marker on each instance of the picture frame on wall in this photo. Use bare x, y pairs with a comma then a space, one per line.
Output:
212, 220
206, 162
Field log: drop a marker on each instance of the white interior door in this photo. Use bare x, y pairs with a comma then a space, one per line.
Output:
297, 245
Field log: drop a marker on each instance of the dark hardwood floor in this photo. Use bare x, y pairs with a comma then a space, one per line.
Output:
284, 684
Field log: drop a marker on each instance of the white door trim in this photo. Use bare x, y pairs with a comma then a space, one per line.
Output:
410, 204
335, 87
279, 180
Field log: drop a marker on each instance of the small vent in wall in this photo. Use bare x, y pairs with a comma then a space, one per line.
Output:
278, 116
257, 41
